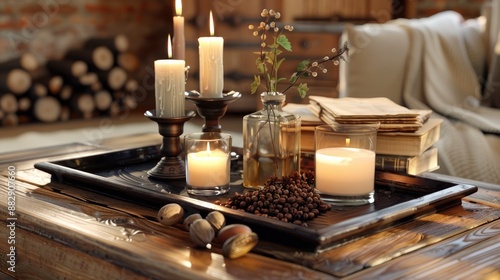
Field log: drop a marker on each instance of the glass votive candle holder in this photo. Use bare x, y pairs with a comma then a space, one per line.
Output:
344, 163
208, 163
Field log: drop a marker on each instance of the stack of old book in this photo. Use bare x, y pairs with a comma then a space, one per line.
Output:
405, 140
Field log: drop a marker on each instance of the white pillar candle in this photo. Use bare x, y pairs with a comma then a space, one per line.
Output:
169, 86
179, 40
207, 168
211, 64
345, 171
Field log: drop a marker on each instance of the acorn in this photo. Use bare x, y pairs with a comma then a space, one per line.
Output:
240, 244
231, 230
190, 219
202, 233
170, 214
217, 220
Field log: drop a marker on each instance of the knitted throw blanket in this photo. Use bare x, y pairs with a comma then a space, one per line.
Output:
440, 76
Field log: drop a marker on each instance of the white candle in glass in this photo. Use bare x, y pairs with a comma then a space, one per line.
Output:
211, 64
179, 47
169, 86
345, 171
207, 168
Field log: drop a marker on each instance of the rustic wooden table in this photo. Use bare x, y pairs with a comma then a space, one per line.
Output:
56, 231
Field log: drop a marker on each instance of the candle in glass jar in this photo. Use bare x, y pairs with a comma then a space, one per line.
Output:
179, 49
207, 168
345, 171
211, 64
169, 86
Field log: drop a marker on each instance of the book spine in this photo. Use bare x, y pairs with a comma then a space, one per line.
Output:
391, 164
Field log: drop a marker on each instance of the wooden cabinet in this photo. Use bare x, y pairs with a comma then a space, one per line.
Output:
316, 32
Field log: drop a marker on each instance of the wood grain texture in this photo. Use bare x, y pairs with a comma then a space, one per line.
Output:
342, 261
488, 194
94, 236
42, 258
465, 255
392, 243
129, 240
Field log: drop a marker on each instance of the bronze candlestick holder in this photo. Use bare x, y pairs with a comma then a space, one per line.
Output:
212, 109
171, 165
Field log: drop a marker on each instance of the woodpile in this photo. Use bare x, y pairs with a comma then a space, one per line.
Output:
94, 80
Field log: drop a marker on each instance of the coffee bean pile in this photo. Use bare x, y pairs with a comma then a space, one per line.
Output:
290, 199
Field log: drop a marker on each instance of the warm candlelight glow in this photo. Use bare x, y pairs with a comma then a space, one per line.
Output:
212, 29
169, 47
208, 163
347, 141
207, 168
178, 7
211, 64
345, 171
169, 87
179, 42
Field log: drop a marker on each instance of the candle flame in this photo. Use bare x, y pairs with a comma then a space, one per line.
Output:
178, 7
169, 47
208, 147
212, 29
347, 141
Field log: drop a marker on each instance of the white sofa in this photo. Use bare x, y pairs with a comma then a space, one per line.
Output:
442, 63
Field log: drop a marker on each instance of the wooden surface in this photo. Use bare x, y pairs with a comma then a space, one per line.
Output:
66, 232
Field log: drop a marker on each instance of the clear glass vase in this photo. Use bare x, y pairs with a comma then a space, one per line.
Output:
271, 142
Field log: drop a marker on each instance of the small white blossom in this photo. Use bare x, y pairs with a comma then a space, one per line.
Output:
251, 27
314, 64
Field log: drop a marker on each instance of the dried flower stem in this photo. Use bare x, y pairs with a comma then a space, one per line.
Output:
316, 65
268, 61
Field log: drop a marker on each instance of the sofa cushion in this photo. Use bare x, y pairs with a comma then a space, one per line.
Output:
491, 15
376, 63
492, 88
475, 46
494, 23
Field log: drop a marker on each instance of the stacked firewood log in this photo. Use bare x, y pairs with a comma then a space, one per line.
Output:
94, 80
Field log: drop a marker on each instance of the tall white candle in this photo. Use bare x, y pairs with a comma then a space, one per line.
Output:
179, 40
345, 171
211, 64
207, 168
170, 86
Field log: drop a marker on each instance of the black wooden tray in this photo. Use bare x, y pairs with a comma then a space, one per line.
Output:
398, 198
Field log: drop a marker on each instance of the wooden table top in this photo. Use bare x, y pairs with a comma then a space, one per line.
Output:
58, 231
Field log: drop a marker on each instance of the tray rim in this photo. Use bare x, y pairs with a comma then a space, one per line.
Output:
317, 239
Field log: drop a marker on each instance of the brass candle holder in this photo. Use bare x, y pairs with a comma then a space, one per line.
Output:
212, 109
171, 165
